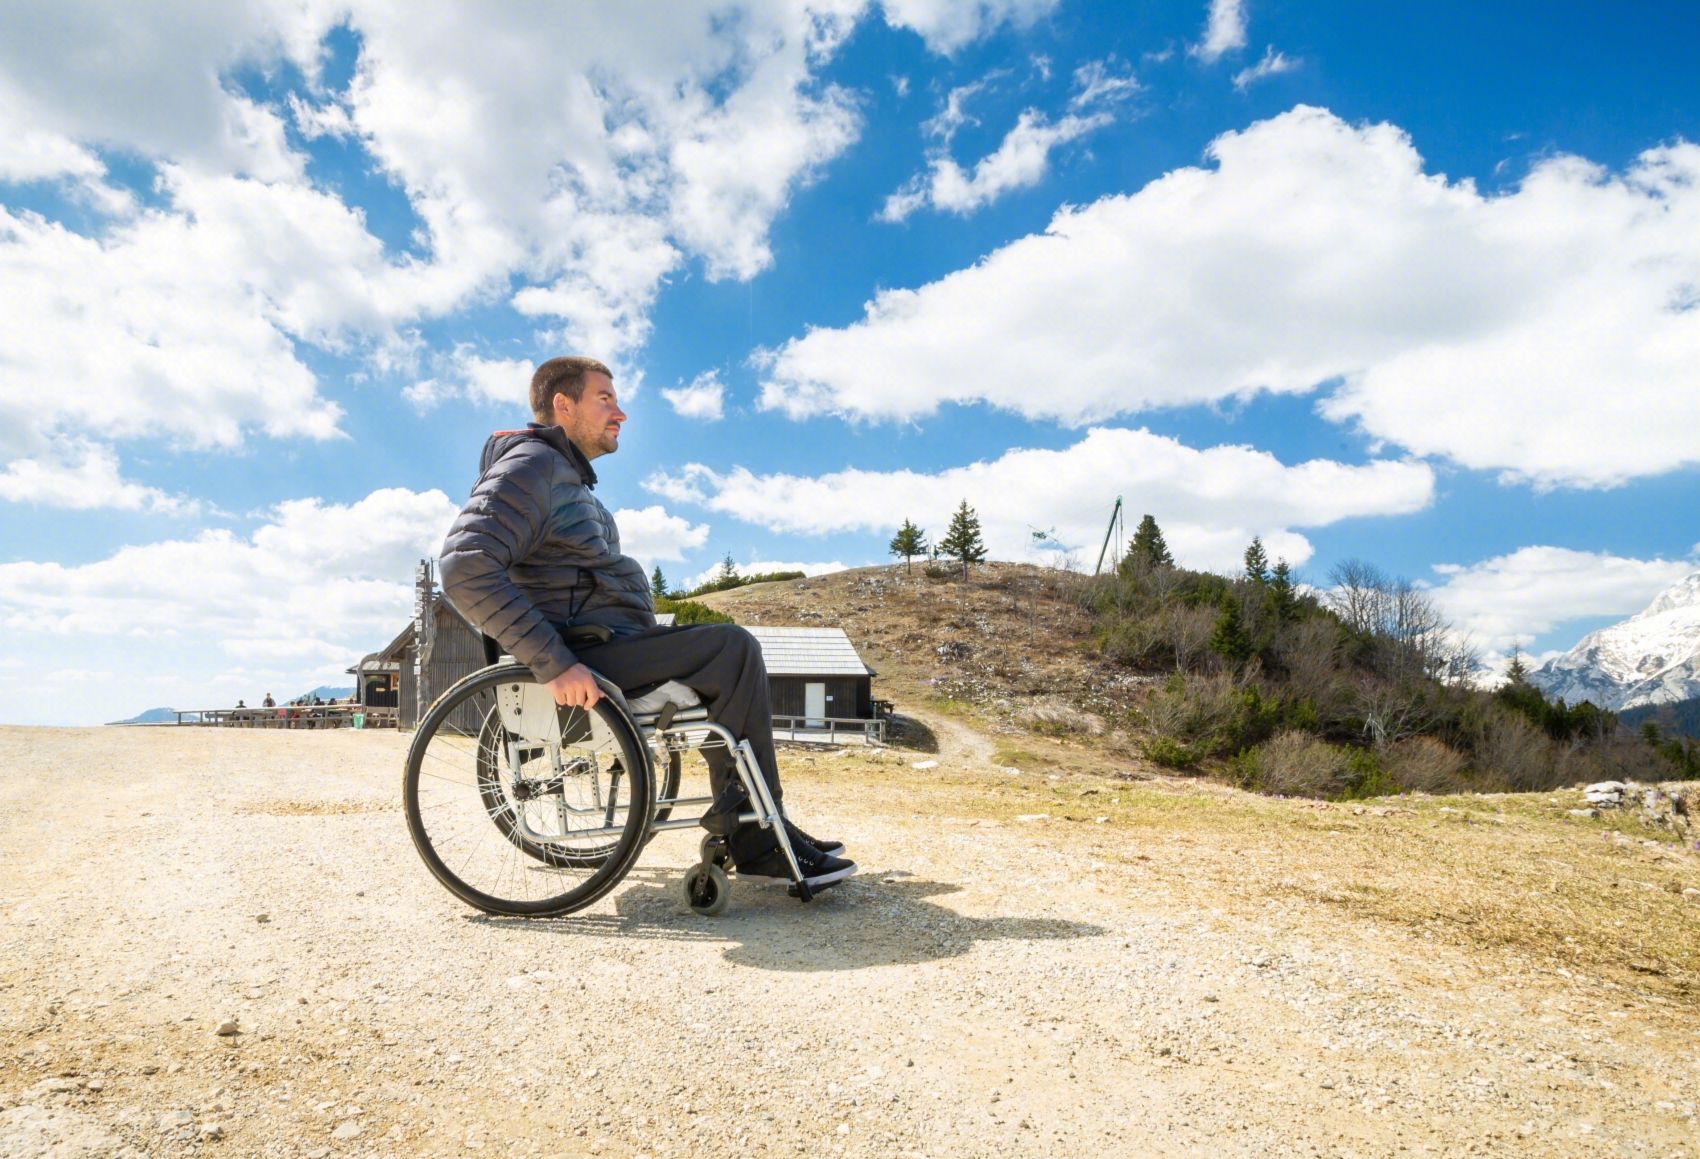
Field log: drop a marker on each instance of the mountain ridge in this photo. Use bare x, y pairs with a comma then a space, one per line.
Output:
1650, 658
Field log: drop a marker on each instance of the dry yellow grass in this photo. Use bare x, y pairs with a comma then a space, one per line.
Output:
1510, 873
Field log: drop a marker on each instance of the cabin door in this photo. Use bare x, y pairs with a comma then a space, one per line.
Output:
814, 705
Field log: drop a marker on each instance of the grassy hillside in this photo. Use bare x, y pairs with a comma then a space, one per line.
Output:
1136, 673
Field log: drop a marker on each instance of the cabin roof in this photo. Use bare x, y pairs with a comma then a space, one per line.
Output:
809, 652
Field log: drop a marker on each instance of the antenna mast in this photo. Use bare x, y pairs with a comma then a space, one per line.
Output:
1115, 522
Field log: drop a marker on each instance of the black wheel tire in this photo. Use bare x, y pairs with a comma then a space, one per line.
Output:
711, 850
707, 890
461, 821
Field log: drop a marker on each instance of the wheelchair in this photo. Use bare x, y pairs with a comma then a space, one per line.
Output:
522, 807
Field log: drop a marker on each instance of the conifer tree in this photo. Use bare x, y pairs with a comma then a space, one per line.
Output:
909, 542
1230, 639
658, 583
1282, 598
962, 539
1147, 551
1256, 562
728, 572
1516, 672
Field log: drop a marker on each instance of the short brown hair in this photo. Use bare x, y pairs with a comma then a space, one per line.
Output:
561, 376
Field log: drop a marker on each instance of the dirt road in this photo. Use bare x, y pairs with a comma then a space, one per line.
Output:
1030, 985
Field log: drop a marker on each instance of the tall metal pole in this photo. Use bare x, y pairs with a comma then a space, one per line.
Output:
1115, 513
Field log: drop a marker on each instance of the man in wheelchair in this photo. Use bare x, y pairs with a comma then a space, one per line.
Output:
534, 558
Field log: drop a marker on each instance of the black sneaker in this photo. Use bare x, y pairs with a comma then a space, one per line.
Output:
798, 837
819, 870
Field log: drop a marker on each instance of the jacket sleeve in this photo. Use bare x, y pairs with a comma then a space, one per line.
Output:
503, 523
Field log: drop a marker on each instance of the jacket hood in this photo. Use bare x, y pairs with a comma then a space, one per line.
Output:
502, 442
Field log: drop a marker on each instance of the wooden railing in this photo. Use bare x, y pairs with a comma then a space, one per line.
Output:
290, 716
828, 729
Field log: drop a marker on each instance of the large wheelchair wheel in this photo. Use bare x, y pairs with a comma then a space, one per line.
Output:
520, 807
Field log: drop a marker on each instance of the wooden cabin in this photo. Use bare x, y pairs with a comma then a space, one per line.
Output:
817, 683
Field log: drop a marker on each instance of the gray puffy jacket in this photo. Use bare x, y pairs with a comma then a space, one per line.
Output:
534, 548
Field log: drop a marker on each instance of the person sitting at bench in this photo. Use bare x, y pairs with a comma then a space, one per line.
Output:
534, 554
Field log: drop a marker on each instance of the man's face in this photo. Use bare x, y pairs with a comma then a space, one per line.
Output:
593, 422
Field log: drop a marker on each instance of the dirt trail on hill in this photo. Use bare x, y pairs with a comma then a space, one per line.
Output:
1027, 987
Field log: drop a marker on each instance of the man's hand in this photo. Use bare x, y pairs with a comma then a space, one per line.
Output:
575, 687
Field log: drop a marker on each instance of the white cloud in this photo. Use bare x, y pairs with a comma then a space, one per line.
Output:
1020, 161
1518, 597
571, 157
1548, 332
1224, 31
704, 398
198, 622
1273, 64
1102, 82
947, 25
81, 475
344, 569
1210, 503
650, 534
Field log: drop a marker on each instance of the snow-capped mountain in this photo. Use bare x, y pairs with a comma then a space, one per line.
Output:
1653, 657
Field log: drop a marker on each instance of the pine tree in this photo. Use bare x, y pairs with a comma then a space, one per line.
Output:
909, 542
658, 583
1147, 551
962, 539
1516, 672
1256, 562
1230, 639
728, 572
1282, 598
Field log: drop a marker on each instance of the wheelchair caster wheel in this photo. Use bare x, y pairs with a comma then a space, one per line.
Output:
712, 851
706, 889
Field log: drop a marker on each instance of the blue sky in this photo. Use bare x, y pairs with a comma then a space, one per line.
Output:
1416, 285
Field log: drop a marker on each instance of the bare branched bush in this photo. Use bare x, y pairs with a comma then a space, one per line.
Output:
1513, 756
1296, 764
1058, 718
1422, 764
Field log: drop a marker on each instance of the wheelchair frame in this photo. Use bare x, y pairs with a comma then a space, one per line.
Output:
529, 751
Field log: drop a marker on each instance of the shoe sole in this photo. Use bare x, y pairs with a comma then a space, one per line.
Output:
820, 881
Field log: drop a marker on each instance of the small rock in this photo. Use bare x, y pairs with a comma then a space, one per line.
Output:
227, 1028
262, 918
97, 1085
212, 1130
1034, 817
346, 1130
171, 1120
1589, 813
151, 1068
925, 765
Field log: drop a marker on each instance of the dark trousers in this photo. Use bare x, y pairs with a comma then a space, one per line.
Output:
723, 663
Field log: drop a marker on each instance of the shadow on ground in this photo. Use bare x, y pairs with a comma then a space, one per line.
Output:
876, 919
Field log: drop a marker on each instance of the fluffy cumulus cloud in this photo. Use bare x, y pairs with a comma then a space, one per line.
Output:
1548, 332
704, 398
81, 475
948, 25
1021, 160
1224, 31
650, 534
566, 159
305, 595
1512, 599
1070, 493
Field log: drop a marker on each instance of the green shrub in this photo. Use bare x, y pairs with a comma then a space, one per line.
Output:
1168, 752
690, 612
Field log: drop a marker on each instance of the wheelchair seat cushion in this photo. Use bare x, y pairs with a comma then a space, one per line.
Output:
659, 696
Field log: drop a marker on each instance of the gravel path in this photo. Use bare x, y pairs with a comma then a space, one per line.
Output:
979, 989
